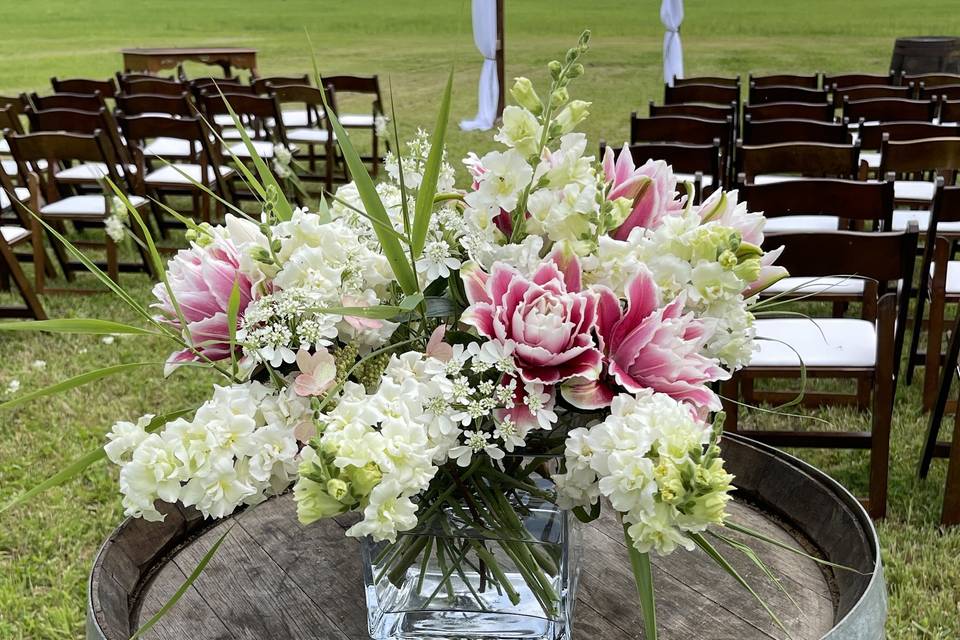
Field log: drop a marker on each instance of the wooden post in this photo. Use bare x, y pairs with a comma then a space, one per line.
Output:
501, 100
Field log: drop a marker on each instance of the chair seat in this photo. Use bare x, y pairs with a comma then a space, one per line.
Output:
223, 119
10, 166
89, 205
913, 190
169, 174
264, 149
769, 178
231, 133
297, 118
828, 285
705, 181
872, 158
820, 342
4, 147
356, 119
953, 277
902, 217
170, 148
21, 193
89, 171
13, 235
792, 224
308, 135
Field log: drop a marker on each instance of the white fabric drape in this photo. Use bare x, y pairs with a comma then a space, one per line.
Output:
671, 15
485, 37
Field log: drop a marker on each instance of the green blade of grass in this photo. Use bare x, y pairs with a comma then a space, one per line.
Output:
379, 312
233, 310
643, 575
760, 564
76, 381
733, 526
90, 326
423, 209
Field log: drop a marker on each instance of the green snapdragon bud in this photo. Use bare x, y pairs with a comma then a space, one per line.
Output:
337, 489
313, 501
555, 69
572, 115
559, 97
748, 270
728, 259
575, 71
526, 96
364, 479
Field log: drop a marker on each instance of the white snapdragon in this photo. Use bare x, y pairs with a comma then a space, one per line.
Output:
505, 175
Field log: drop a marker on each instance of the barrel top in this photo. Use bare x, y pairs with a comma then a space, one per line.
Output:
273, 577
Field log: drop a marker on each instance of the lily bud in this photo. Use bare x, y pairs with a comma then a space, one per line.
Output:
526, 96
572, 115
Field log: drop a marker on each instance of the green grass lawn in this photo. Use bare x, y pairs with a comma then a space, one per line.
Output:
46, 548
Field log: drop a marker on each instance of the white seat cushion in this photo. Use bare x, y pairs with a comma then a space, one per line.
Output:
913, 190
791, 223
768, 178
902, 217
706, 180
4, 147
356, 119
308, 135
953, 276
10, 166
14, 234
231, 133
169, 148
264, 149
89, 171
169, 175
21, 193
820, 342
872, 158
298, 117
805, 286
84, 205
223, 119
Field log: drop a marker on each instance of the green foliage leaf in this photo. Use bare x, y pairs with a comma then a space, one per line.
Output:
431, 173
233, 310
76, 381
643, 575
91, 326
585, 516
378, 312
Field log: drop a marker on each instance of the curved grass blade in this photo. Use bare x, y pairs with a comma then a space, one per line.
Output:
183, 587
423, 210
753, 557
404, 200
643, 574
77, 467
379, 312
76, 381
800, 552
90, 326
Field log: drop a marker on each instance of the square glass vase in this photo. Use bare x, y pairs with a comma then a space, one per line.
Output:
457, 579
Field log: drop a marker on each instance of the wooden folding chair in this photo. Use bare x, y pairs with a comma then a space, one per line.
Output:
940, 284
260, 115
930, 79
777, 93
318, 132
77, 101
698, 164
259, 84
694, 110
870, 92
762, 164
889, 110
822, 112
943, 92
10, 237
701, 93
368, 86
107, 88
915, 164
780, 131
871, 140
864, 350
157, 86
149, 104
204, 167
57, 208
785, 80
14, 214
722, 81
844, 80
10, 120
686, 130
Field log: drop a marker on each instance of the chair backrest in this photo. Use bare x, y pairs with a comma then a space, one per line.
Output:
260, 84
722, 81
868, 92
777, 131
145, 103
310, 97
153, 85
219, 85
950, 110
16, 104
822, 112
786, 80
261, 113
844, 80
705, 111
107, 88
784, 93
945, 91
86, 122
705, 93
131, 75
930, 156
354, 84
847, 199
806, 159
10, 119
871, 135
931, 79
79, 101
946, 208
889, 109
680, 129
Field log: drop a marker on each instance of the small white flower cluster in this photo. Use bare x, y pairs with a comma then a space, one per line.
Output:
276, 326
656, 463
415, 162
115, 223
237, 449
282, 157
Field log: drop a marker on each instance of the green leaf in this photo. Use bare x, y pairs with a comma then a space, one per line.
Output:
403, 270
183, 588
585, 516
91, 326
77, 467
733, 526
76, 381
643, 574
284, 210
233, 310
431, 173
379, 312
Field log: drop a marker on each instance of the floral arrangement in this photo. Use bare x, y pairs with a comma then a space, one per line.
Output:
405, 347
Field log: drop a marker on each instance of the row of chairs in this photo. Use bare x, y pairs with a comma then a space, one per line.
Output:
831, 82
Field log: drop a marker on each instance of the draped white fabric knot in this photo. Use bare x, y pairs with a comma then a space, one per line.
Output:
485, 37
671, 15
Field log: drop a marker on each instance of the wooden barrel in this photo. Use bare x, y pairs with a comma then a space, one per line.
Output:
926, 54
273, 578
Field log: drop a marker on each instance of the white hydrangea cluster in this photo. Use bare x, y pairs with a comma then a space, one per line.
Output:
238, 448
424, 412
648, 458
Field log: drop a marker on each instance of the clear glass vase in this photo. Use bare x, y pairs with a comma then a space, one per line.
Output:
481, 567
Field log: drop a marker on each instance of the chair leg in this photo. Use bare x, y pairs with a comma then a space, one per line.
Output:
951, 490
880, 447
60, 252
33, 305
39, 256
915, 335
940, 404
113, 269
935, 331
